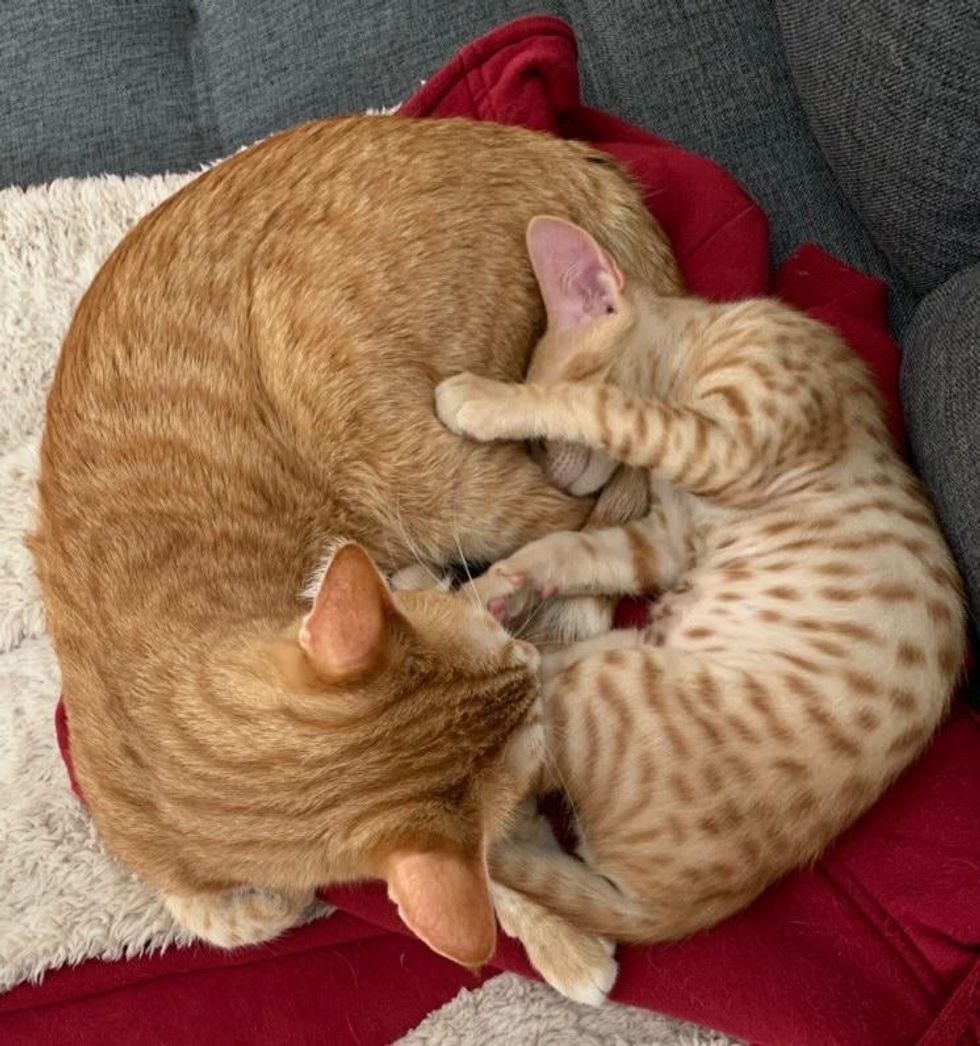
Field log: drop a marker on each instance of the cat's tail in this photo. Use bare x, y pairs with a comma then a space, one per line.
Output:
568, 887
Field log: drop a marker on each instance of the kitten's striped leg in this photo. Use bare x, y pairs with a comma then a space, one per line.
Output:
629, 560
579, 965
701, 450
569, 619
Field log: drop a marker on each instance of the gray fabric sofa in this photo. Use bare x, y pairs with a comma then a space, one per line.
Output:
855, 125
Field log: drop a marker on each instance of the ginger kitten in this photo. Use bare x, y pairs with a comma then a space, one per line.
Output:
809, 628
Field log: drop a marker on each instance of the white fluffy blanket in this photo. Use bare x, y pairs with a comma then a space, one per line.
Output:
62, 898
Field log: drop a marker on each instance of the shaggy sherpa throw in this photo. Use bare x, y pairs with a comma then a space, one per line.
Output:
62, 898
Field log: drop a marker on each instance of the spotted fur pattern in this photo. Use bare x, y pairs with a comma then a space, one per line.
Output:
808, 628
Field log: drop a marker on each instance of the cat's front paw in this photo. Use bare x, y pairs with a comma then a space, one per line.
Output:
510, 588
472, 406
506, 593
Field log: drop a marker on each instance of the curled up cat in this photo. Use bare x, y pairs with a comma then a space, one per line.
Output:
808, 624
243, 402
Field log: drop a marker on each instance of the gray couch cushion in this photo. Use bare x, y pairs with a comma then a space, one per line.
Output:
272, 65
167, 83
707, 75
892, 89
712, 76
88, 86
941, 398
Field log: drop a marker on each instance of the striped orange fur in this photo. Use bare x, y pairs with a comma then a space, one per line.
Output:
247, 384
809, 623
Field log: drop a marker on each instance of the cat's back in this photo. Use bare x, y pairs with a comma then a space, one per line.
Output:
392, 229
252, 369
279, 293
830, 573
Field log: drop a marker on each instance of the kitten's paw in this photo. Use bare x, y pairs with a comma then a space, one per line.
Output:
471, 406
506, 593
586, 975
416, 577
578, 965
238, 918
512, 586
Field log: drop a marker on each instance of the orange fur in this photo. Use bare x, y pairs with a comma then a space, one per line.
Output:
248, 382
810, 623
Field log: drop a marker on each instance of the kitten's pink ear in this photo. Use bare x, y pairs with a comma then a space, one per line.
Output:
579, 281
444, 898
344, 633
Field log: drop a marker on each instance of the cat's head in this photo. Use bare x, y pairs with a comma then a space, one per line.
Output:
593, 335
434, 737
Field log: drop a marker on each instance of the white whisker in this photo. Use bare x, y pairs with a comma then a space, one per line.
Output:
412, 547
466, 567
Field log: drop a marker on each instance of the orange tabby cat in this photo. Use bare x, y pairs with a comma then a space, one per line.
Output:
247, 385
810, 627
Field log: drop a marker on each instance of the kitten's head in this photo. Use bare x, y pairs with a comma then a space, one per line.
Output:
592, 328
434, 738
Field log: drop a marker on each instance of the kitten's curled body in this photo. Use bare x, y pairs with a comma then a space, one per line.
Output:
809, 628
247, 381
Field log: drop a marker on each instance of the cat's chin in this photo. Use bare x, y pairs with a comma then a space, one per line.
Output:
573, 468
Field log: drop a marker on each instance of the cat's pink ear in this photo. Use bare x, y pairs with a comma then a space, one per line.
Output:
444, 898
344, 632
579, 281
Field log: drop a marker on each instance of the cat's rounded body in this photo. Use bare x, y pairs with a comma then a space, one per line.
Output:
248, 380
809, 626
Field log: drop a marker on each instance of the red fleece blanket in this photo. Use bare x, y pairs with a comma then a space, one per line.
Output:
879, 942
